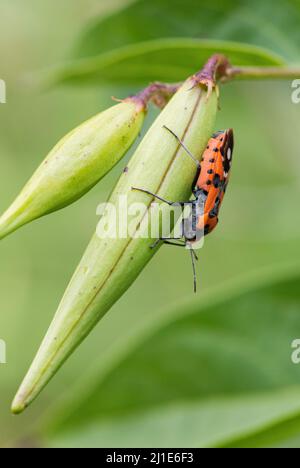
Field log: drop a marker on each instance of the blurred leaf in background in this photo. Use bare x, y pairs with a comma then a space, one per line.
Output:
267, 24
205, 374
160, 60
214, 372
124, 47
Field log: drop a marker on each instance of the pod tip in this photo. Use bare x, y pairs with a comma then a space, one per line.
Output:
9, 223
18, 405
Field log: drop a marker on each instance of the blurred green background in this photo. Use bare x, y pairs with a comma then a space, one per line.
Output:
162, 368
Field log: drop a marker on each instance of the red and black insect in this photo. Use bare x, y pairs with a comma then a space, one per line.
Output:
209, 188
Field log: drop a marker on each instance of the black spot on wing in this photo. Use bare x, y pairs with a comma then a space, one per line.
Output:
227, 150
213, 213
206, 229
217, 181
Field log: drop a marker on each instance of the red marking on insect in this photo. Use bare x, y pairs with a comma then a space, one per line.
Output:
213, 177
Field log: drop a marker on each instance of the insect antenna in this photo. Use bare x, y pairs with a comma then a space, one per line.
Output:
184, 147
194, 257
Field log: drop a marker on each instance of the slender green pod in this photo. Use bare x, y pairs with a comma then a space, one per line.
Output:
76, 163
110, 265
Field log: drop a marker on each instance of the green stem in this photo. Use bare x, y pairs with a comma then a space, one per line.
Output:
218, 68
261, 73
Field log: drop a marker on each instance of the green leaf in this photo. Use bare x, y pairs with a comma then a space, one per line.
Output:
187, 424
282, 434
274, 25
200, 375
162, 60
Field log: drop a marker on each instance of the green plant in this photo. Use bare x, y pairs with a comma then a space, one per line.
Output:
110, 265
259, 235
76, 164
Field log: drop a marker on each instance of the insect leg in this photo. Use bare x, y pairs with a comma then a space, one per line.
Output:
194, 256
184, 147
159, 198
166, 240
176, 244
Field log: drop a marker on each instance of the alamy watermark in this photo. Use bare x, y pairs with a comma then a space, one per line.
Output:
2, 352
295, 356
296, 93
177, 221
2, 92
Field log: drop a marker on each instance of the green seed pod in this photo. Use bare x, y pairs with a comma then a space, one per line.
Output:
109, 266
76, 164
